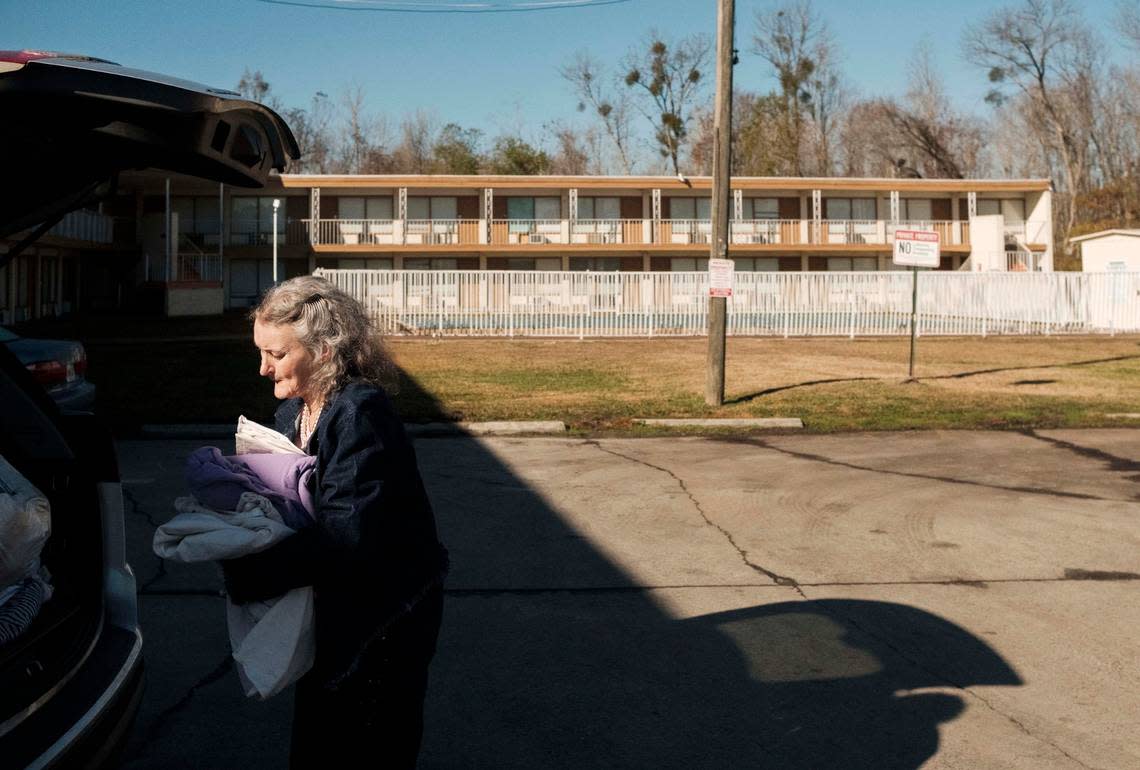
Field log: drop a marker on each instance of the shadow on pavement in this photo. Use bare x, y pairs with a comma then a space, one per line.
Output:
552, 656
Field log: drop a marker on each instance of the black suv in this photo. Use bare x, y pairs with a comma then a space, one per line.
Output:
71, 683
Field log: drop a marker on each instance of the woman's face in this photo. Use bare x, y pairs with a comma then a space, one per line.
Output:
283, 359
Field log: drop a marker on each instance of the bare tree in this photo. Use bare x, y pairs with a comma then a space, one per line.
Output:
1043, 52
572, 154
593, 87
1128, 21
929, 135
361, 146
255, 87
669, 80
413, 154
800, 48
312, 128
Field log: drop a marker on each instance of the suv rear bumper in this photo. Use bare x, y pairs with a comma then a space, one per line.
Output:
89, 719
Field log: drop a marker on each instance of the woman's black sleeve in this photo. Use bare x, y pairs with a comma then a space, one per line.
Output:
291, 563
350, 481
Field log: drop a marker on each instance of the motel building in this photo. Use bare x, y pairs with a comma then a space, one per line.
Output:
168, 244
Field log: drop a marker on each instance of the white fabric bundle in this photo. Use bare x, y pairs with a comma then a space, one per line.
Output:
273, 642
25, 524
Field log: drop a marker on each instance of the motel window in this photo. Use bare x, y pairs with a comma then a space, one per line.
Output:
918, 210
251, 220
1011, 209
534, 208
762, 208
690, 208
599, 208
850, 208
197, 217
372, 207
426, 263
756, 265
688, 264
595, 264
433, 207
364, 264
847, 264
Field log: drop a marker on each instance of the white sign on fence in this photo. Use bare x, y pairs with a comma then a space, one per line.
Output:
721, 275
916, 248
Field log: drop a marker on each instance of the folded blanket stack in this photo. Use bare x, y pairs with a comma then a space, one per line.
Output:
241, 505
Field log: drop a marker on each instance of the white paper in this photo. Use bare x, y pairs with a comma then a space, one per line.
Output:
254, 438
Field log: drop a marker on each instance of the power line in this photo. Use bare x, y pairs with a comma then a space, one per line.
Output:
444, 6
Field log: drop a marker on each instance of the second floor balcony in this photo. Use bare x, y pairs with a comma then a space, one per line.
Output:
603, 232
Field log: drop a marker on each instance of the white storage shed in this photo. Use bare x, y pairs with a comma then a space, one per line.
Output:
1110, 251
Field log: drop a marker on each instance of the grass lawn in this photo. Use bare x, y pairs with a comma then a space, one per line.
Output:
601, 385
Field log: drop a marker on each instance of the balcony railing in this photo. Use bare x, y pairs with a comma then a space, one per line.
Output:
1022, 262
441, 231
194, 268
603, 231
852, 231
768, 231
534, 232
84, 225
529, 231
684, 231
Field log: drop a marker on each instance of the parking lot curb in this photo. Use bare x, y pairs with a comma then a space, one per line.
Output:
728, 422
492, 428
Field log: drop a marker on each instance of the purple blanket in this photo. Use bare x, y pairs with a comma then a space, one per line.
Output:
217, 481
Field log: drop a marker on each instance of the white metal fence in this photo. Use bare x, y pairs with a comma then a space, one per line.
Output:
587, 304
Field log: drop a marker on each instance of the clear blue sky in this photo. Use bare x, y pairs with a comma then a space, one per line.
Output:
497, 72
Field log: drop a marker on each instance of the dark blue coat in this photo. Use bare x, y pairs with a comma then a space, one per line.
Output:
374, 550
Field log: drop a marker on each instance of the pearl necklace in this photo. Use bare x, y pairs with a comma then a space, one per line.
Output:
309, 423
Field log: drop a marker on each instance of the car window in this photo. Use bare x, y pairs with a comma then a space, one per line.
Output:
7, 336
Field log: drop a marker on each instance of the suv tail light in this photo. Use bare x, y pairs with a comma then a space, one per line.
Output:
80, 364
48, 373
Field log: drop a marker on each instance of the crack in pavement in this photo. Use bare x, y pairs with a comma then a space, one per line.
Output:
763, 444
166, 714
1121, 577
1021, 726
779, 580
136, 508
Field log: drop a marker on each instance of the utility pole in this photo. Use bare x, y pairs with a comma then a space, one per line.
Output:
722, 165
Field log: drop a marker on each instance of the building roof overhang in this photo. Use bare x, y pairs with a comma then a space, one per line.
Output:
663, 182
1104, 233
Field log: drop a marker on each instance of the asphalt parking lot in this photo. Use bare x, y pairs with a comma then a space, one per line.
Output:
934, 599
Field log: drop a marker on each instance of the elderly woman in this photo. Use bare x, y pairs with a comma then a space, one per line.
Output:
373, 556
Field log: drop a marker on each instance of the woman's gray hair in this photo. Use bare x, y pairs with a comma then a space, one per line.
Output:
325, 318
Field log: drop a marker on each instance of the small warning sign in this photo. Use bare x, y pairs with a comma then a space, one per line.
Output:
721, 275
916, 248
